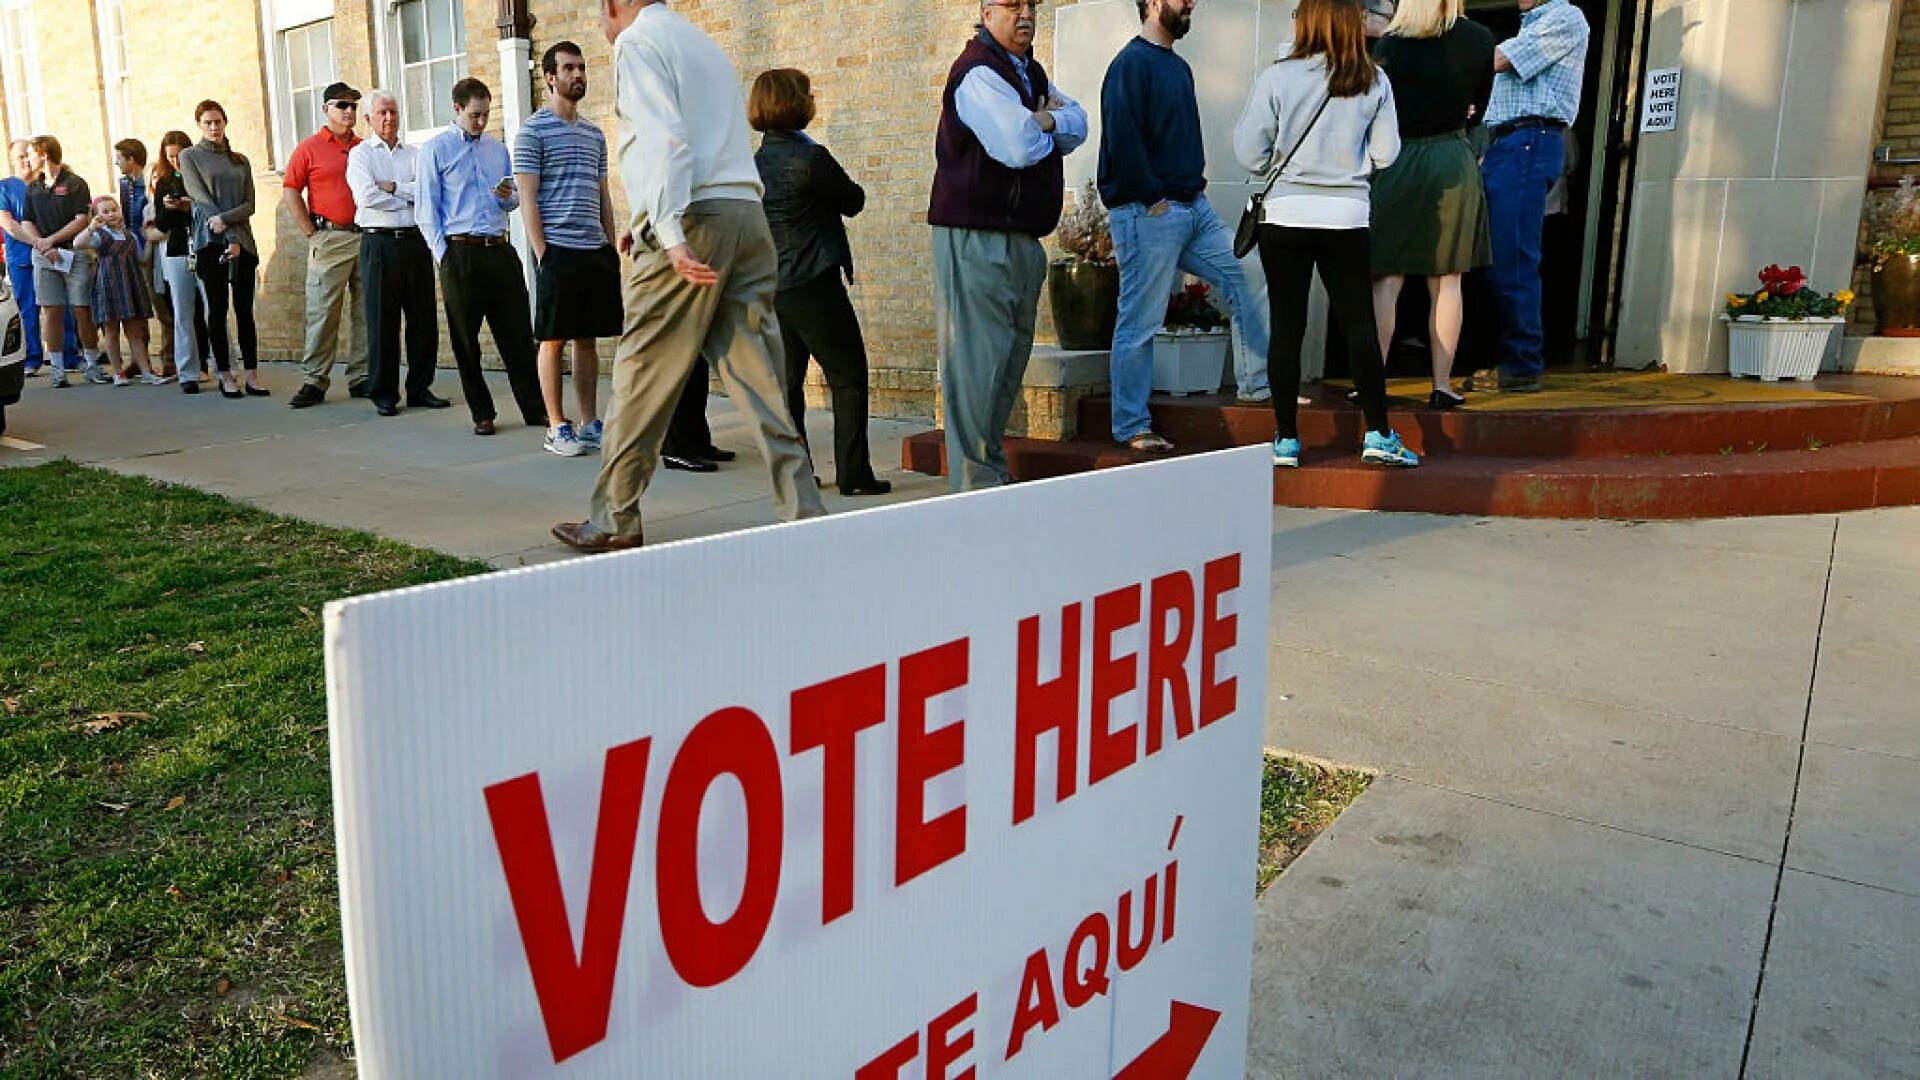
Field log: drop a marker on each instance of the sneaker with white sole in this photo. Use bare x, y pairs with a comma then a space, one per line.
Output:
121, 380
1387, 449
590, 433
1286, 453
155, 380
98, 374
1253, 397
59, 378
562, 441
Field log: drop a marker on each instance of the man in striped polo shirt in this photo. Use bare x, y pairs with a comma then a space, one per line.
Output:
560, 163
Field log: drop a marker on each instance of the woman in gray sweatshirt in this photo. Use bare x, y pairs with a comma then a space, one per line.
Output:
220, 183
1324, 118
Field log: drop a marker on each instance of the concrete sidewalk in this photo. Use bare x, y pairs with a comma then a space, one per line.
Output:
1650, 800
423, 476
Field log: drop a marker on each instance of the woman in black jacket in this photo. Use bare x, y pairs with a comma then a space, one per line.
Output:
807, 194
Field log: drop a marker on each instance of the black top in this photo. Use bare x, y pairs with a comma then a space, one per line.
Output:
1437, 80
177, 224
807, 195
1150, 144
52, 207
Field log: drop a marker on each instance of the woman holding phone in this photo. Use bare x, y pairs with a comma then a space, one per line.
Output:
226, 259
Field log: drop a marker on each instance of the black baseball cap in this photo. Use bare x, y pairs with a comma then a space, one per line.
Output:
340, 92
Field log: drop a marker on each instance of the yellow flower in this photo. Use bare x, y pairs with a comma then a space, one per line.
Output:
1735, 300
1845, 296
1760, 297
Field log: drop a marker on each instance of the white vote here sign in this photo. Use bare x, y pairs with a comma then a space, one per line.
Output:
1661, 109
967, 787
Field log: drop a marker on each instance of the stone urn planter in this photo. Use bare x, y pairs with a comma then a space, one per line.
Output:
1896, 296
1775, 349
1084, 297
1191, 361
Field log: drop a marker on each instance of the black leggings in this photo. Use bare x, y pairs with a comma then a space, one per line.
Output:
215, 286
1345, 260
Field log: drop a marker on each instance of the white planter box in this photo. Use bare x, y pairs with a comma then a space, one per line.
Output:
1191, 363
1775, 349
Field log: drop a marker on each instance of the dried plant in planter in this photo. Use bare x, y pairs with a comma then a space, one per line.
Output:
1896, 228
1083, 232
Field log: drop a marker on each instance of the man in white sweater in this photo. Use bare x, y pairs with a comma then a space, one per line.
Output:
704, 268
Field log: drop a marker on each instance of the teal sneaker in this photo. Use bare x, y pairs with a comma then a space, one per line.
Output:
1286, 453
1386, 450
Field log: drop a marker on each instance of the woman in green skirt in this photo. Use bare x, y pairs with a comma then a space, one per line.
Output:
1429, 209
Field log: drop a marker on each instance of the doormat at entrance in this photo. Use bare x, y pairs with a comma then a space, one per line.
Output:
1627, 389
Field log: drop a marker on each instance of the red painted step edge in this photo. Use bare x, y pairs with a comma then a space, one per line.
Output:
1853, 477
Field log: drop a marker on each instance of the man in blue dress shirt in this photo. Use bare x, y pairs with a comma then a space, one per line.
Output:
1536, 97
463, 194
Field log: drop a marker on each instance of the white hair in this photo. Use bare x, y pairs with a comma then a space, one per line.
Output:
375, 97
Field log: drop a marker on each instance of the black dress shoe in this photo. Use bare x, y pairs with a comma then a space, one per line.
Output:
674, 461
306, 397
256, 391
871, 487
189, 387
427, 399
1444, 399
714, 453
386, 408
358, 391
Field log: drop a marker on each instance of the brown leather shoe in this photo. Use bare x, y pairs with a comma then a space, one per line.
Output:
582, 536
483, 427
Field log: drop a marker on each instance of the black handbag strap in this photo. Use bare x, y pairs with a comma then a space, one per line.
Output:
1297, 144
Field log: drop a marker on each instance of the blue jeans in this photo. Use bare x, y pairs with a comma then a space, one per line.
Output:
26, 298
1519, 169
1152, 251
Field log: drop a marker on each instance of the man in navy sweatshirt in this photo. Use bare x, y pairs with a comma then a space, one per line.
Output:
1153, 180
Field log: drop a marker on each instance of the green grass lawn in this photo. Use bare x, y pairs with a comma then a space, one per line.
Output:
168, 904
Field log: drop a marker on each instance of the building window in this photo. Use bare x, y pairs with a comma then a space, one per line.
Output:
432, 51
306, 67
113, 69
20, 68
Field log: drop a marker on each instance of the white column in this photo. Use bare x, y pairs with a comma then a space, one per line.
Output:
516, 104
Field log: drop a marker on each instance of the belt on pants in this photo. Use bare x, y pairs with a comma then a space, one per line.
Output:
477, 239
326, 224
405, 233
1501, 131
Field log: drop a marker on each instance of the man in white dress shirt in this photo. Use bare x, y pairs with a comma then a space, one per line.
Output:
396, 269
998, 187
703, 274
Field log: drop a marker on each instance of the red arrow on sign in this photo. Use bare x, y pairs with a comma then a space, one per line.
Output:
1173, 1055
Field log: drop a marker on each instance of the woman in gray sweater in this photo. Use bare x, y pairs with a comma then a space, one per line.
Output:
220, 183
1324, 118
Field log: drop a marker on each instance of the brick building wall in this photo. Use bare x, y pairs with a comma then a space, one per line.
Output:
1900, 133
877, 69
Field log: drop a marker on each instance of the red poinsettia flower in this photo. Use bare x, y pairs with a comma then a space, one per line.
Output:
1783, 282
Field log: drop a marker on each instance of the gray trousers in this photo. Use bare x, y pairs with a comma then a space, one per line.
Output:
986, 292
670, 324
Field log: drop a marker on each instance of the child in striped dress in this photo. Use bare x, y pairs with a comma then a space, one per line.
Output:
122, 303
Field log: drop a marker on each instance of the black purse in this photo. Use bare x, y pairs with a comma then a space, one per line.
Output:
1248, 235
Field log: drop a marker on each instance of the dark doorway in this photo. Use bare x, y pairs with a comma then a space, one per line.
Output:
1580, 239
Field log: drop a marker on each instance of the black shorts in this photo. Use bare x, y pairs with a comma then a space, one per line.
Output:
576, 294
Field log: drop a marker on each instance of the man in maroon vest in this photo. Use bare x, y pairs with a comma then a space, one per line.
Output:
997, 189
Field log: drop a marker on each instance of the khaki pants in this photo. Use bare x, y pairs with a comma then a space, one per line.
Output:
333, 295
671, 323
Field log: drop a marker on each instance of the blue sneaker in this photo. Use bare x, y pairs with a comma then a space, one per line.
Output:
1387, 450
1286, 453
32, 369
589, 434
562, 441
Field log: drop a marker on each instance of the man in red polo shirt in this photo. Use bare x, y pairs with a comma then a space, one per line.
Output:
317, 195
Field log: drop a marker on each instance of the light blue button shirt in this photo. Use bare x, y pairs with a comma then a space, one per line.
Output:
1549, 58
1007, 131
454, 196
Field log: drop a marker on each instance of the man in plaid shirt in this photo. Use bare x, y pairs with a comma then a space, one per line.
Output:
1536, 96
